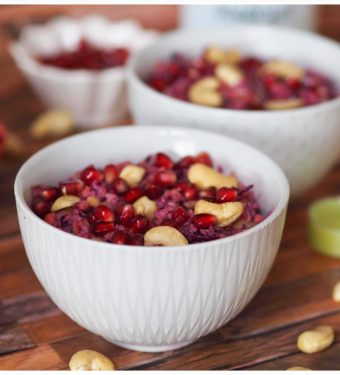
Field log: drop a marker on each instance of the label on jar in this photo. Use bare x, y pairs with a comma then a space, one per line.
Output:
300, 16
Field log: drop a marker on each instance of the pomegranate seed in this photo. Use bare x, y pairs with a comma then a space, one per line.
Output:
226, 195
185, 162
125, 214
189, 191
91, 219
120, 187
103, 213
100, 229
50, 193
139, 224
137, 240
36, 190
166, 178
250, 63
51, 218
157, 84
133, 194
153, 191
90, 174
182, 186
110, 173
163, 160
204, 158
208, 194
119, 237
258, 218
293, 83
270, 80
41, 207
203, 221
71, 187
179, 215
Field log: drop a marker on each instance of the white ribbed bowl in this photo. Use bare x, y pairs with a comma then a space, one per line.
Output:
151, 298
304, 142
95, 98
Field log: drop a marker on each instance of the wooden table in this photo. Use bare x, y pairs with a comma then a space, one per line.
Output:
36, 335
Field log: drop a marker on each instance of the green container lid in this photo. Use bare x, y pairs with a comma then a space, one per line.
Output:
324, 226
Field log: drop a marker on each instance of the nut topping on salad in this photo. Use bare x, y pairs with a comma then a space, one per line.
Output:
283, 69
217, 55
226, 213
204, 177
164, 236
229, 74
205, 92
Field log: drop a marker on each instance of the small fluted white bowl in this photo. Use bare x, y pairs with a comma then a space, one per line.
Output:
151, 298
304, 142
94, 98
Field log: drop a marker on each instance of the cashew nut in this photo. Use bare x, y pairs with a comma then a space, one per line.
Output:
217, 55
336, 292
64, 201
145, 206
226, 213
132, 175
164, 236
205, 92
52, 123
229, 74
283, 104
89, 360
316, 340
298, 368
13, 145
284, 69
93, 201
204, 177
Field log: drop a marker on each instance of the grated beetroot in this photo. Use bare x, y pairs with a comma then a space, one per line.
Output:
114, 220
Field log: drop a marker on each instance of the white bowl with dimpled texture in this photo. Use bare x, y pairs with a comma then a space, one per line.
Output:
304, 142
151, 298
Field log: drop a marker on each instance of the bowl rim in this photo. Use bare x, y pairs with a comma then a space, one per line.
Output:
280, 207
134, 78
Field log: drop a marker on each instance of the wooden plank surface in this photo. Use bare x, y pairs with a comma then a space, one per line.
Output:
36, 335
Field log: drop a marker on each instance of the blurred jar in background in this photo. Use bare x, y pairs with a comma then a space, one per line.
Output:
299, 16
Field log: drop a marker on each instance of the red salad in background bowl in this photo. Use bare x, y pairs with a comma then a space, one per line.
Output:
121, 203
87, 56
225, 78
79, 64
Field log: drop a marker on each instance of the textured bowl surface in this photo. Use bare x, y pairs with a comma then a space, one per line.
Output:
94, 98
151, 298
304, 142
